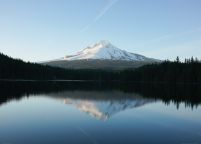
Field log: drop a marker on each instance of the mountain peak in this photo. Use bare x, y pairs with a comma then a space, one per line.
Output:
102, 55
101, 45
104, 43
104, 50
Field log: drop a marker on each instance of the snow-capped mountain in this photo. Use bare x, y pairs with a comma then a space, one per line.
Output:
106, 51
102, 55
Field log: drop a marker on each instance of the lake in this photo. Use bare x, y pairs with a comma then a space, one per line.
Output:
99, 113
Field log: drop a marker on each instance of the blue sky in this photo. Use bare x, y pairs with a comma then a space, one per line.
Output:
38, 30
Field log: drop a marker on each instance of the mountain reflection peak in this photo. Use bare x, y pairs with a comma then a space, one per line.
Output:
105, 106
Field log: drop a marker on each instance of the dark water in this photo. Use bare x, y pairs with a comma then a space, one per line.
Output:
99, 113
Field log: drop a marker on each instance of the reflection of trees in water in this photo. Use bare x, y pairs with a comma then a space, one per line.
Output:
188, 94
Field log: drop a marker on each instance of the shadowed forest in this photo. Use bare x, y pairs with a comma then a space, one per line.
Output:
164, 72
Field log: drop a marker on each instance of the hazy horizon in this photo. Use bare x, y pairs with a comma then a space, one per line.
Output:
39, 30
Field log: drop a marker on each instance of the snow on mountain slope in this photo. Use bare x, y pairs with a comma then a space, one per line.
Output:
102, 55
104, 50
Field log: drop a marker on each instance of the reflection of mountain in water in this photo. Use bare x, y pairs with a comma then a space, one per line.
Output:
105, 109
103, 105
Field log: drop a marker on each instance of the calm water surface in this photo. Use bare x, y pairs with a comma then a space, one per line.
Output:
97, 117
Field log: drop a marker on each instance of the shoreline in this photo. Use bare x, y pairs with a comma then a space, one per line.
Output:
101, 81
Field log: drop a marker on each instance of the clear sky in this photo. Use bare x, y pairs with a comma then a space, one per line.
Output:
38, 30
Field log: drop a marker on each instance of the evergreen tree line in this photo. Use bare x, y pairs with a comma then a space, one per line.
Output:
188, 71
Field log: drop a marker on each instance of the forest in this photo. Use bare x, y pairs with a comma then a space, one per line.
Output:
176, 71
